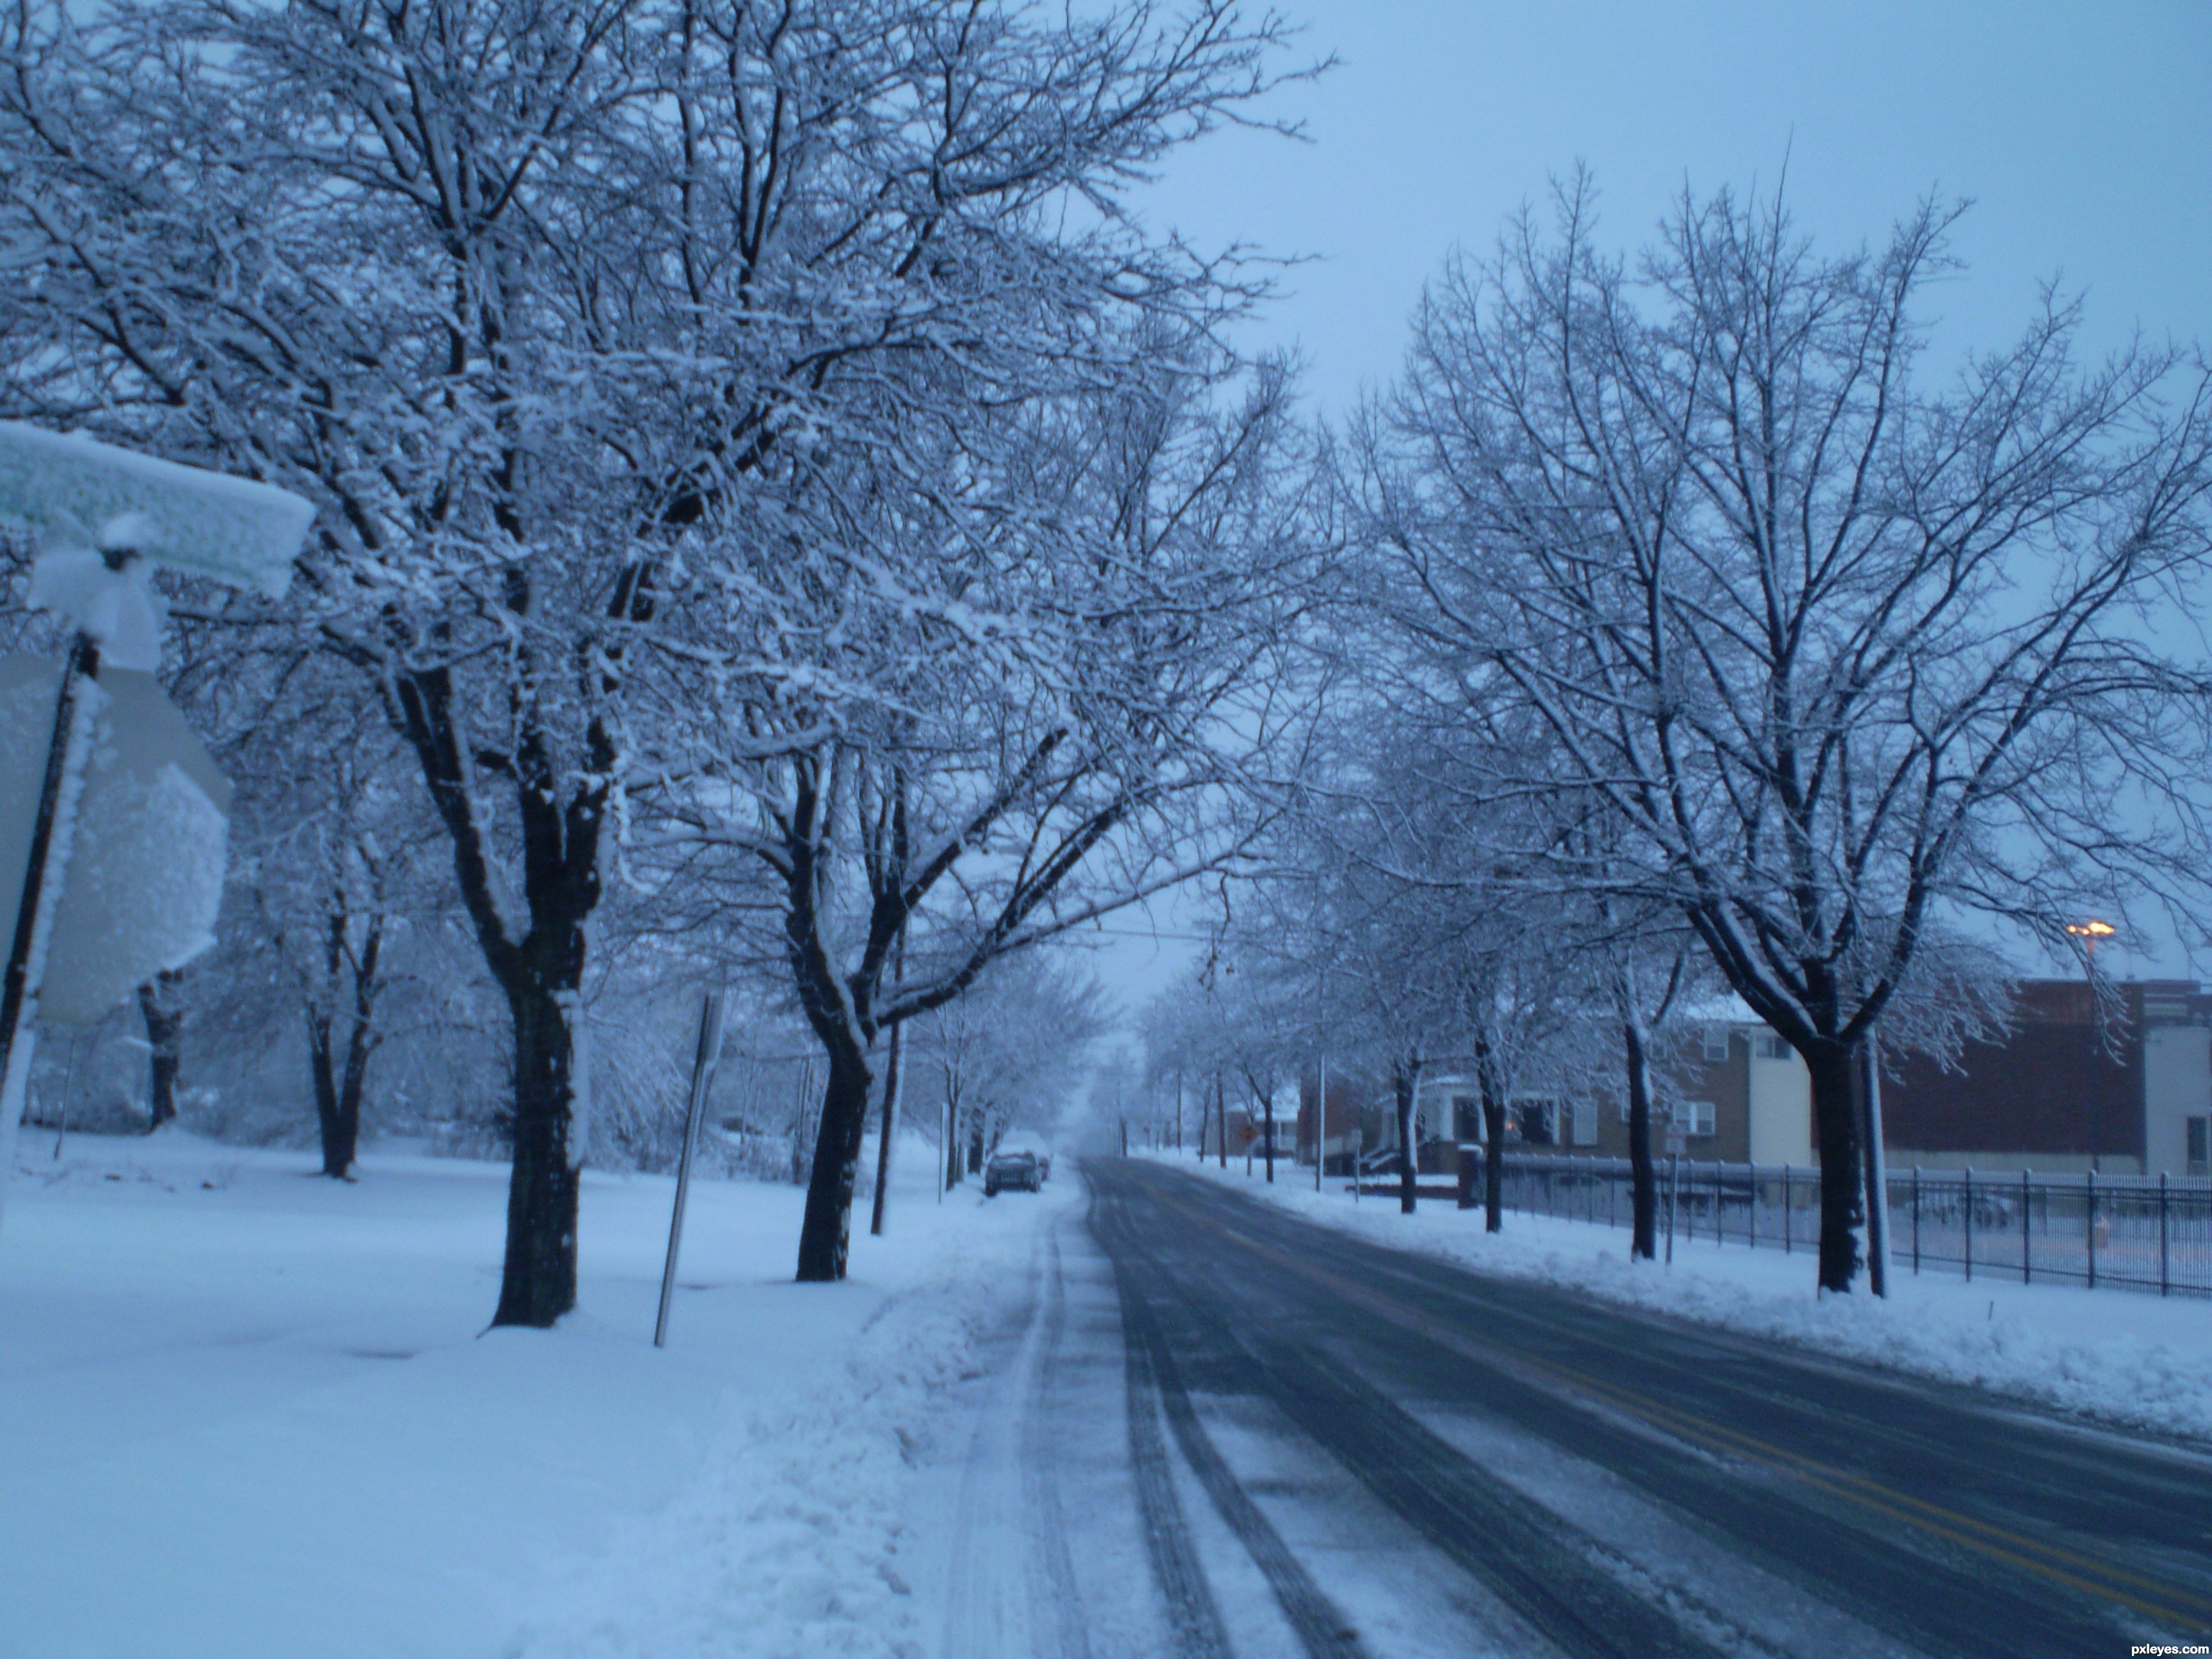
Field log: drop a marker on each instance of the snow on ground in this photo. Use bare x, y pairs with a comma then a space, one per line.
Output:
2141, 1362
246, 1412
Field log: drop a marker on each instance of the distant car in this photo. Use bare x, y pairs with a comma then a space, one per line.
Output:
1018, 1169
1021, 1141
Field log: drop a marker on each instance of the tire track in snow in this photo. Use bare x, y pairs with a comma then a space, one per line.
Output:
1041, 1466
1193, 1614
1539, 1566
1320, 1627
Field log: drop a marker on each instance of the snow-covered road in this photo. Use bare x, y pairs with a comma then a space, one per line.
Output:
1219, 1431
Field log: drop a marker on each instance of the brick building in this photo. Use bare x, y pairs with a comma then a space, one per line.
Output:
2066, 1091
1738, 1091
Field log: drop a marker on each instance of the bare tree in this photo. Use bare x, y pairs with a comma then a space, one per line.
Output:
1848, 654
554, 310
1006, 1054
1034, 727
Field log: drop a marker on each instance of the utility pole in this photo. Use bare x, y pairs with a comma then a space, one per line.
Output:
1321, 1091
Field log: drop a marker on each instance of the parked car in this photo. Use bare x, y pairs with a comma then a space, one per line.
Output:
1018, 1169
1021, 1141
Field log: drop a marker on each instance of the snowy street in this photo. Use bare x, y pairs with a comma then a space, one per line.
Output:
756, 762
1334, 1448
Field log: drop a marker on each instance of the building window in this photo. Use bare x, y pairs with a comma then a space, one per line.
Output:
1537, 1118
2200, 1145
1466, 1118
1585, 1123
1717, 1045
1696, 1117
1768, 1046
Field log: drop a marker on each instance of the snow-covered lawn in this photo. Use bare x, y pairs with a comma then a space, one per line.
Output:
247, 1412
2140, 1361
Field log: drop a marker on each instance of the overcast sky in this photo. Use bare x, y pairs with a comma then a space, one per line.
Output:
2082, 133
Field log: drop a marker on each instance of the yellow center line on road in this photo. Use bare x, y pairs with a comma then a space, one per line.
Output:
2085, 1573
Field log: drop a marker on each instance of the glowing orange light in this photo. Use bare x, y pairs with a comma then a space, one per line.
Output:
2091, 931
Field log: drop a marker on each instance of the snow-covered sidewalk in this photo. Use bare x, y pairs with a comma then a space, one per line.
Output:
2143, 1362
246, 1412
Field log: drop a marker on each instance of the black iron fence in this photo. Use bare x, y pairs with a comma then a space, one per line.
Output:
2131, 1232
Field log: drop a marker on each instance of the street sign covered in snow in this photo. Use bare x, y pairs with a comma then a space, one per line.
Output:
144, 874
78, 493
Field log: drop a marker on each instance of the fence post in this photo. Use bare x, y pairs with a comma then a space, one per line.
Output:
2027, 1260
1674, 1186
1753, 1231
1789, 1219
1970, 1223
2089, 1185
2161, 1233
1916, 1218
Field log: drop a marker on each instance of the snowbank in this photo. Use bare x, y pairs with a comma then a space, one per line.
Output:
245, 1412
2137, 1361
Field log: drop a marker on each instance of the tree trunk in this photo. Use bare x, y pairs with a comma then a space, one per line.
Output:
542, 973
322, 1067
1493, 1133
892, 1083
164, 1015
825, 1236
975, 1141
1221, 1118
361, 1043
1493, 1164
1644, 1180
1270, 1120
1406, 1080
1836, 1134
338, 1092
538, 1282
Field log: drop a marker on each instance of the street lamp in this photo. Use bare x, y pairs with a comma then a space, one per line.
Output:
2090, 933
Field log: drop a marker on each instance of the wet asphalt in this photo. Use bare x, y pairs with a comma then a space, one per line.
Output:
1589, 1481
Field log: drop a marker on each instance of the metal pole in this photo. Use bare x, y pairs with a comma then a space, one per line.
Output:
2162, 1281
1877, 1169
51, 831
2026, 1249
1674, 1184
2090, 1181
1916, 1218
703, 1078
894, 1086
1789, 1207
1321, 1118
68, 1088
1970, 1223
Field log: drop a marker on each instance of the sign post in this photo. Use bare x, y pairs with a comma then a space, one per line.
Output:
702, 1081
